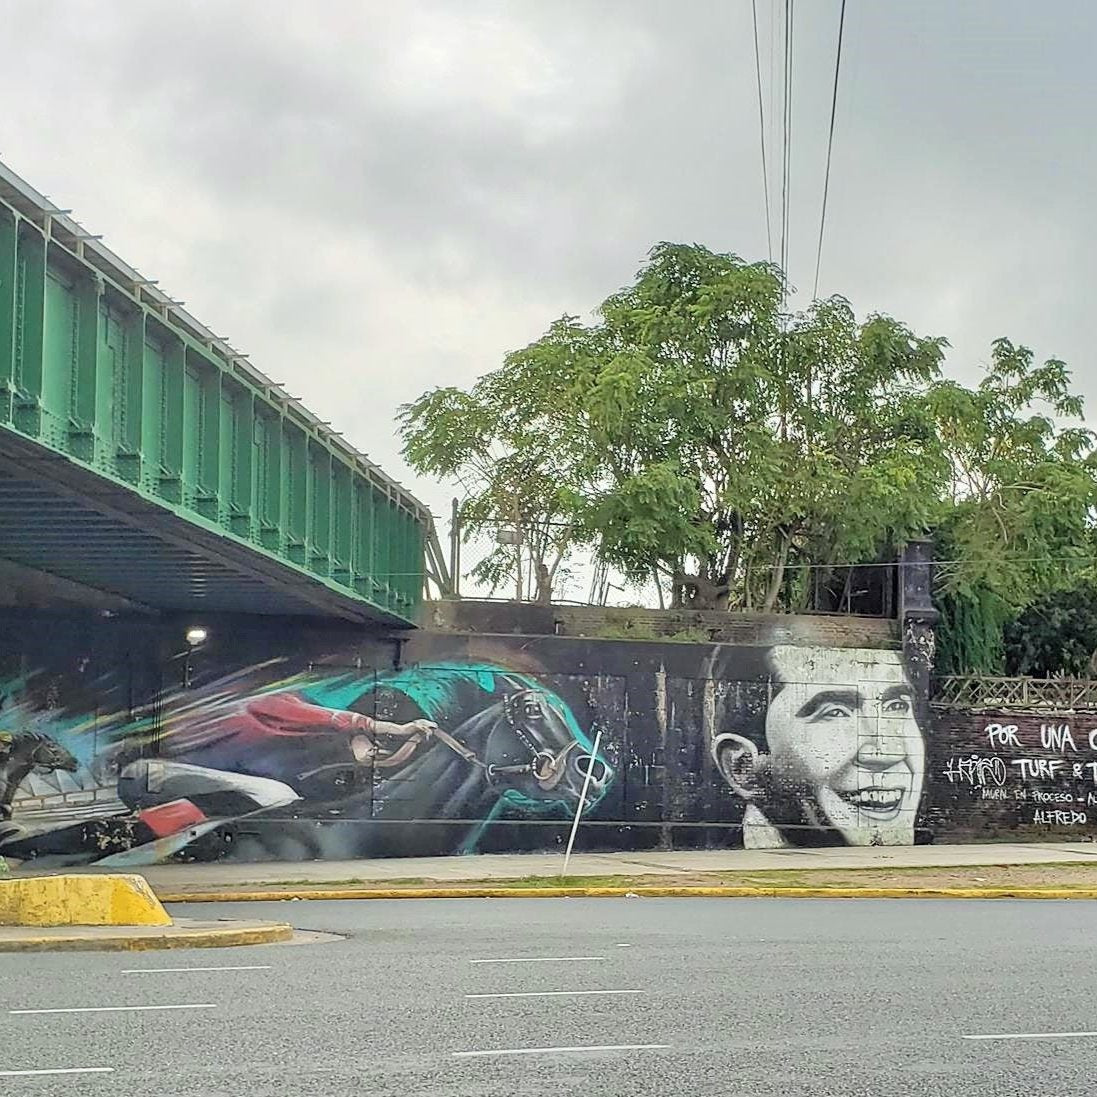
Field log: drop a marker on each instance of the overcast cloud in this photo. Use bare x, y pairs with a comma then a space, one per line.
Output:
376, 198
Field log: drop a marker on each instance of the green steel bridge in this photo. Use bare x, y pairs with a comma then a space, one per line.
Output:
141, 455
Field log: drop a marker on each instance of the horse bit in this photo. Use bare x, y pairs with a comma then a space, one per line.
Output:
520, 710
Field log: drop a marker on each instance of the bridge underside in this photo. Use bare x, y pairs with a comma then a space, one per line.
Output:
142, 455
58, 518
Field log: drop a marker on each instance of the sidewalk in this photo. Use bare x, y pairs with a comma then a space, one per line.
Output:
179, 878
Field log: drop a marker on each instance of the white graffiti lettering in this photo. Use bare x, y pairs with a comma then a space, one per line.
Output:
1056, 817
1002, 735
1044, 797
1057, 737
976, 770
1046, 768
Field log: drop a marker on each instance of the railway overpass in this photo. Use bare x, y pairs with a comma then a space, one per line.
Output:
144, 457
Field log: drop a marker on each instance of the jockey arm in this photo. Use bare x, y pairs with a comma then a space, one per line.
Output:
290, 714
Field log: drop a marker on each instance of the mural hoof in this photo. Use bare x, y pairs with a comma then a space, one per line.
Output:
73, 899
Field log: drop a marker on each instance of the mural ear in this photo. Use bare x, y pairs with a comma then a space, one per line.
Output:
737, 758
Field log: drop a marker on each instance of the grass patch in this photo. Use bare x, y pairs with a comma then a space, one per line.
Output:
1066, 874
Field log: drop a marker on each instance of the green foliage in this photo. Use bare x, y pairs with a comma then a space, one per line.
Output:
1056, 634
697, 433
742, 442
514, 449
969, 631
1019, 521
1023, 489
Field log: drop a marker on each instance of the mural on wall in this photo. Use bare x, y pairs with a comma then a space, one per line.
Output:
359, 753
828, 751
477, 744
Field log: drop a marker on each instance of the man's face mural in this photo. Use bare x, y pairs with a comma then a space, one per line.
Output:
843, 755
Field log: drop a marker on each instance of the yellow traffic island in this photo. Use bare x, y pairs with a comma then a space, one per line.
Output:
99, 912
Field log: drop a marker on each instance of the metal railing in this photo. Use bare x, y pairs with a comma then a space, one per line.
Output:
977, 691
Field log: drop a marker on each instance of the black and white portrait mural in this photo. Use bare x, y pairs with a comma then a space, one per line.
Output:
827, 749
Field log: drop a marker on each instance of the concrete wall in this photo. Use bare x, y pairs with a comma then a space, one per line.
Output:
281, 739
634, 623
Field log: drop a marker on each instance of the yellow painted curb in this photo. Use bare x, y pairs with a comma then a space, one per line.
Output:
74, 899
229, 937
617, 892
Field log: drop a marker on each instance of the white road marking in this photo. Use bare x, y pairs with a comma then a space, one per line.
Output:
552, 1050
56, 1070
624, 946
1029, 1035
164, 970
540, 960
551, 993
112, 1009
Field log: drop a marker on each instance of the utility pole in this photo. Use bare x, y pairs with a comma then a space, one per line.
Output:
455, 548
518, 551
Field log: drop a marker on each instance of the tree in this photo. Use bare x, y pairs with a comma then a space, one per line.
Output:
1056, 634
512, 447
740, 441
1019, 520
697, 433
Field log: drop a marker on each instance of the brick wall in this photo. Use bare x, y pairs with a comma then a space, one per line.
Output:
1012, 776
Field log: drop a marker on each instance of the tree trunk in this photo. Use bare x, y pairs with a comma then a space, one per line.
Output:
658, 587
777, 578
700, 592
543, 596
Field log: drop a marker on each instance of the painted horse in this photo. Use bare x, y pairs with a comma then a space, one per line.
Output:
23, 753
495, 744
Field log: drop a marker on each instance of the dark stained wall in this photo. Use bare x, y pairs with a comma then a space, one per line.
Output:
1014, 776
121, 743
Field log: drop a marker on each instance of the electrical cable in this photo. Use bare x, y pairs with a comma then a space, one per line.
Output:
786, 162
830, 149
762, 128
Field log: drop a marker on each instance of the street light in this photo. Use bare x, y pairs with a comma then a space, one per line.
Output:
197, 635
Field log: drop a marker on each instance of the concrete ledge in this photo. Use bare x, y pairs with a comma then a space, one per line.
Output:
185, 933
72, 899
652, 891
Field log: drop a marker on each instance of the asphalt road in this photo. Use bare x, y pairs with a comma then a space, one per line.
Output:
741, 996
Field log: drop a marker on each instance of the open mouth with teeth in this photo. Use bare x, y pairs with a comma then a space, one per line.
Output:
881, 803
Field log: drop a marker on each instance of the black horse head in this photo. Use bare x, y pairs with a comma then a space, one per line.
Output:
536, 757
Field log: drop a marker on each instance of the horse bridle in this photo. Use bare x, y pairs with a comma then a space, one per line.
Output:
546, 768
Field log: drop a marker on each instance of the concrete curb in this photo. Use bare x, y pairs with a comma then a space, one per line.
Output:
80, 899
653, 891
117, 939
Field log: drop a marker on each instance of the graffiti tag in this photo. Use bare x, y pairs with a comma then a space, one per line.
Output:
976, 769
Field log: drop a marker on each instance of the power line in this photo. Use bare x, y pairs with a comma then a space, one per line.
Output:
830, 148
786, 162
762, 128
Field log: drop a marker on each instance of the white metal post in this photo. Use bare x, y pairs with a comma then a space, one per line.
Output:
582, 800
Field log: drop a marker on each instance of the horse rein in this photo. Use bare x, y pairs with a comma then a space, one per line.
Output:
546, 768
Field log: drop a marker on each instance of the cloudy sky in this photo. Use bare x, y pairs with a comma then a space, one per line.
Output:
376, 198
